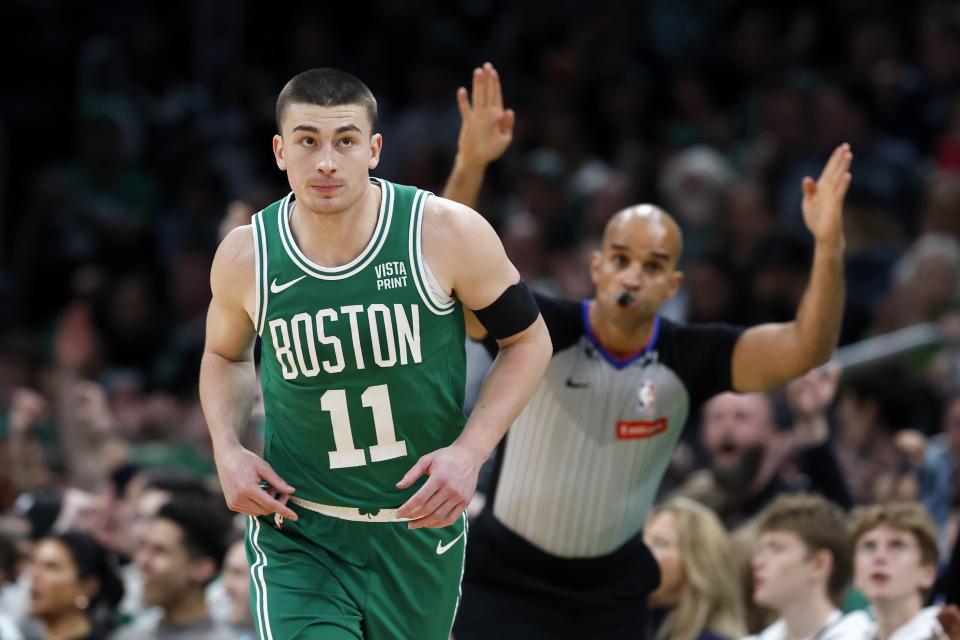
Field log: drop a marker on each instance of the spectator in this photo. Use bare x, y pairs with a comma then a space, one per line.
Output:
873, 405
697, 598
801, 569
895, 564
75, 589
8, 574
146, 493
179, 556
745, 451
938, 465
236, 583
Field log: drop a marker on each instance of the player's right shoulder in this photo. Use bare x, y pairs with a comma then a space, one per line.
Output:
237, 246
233, 268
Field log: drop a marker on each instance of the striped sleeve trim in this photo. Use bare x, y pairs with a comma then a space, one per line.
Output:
437, 307
260, 253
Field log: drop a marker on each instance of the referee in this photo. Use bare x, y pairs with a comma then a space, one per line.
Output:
557, 551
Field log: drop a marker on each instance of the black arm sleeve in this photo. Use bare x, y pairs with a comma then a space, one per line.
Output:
562, 318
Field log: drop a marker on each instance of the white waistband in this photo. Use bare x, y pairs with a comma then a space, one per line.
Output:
350, 513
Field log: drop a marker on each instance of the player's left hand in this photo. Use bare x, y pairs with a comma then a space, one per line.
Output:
823, 200
452, 481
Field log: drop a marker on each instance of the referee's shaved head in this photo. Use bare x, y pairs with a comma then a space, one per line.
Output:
649, 220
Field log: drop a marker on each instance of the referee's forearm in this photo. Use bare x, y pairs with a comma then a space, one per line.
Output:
464, 183
821, 310
512, 379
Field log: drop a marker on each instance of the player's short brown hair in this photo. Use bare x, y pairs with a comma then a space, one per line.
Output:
911, 517
326, 87
821, 525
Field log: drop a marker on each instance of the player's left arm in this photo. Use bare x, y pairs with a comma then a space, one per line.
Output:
468, 259
769, 355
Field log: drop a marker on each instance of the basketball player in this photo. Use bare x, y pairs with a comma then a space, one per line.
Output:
355, 287
558, 551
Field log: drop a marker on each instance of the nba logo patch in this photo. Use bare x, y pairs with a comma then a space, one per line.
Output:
646, 396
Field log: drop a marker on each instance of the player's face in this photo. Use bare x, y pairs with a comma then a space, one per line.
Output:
784, 568
328, 153
638, 258
661, 537
888, 567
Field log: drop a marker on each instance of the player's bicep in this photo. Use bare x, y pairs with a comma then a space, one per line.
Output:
230, 331
471, 259
475, 329
482, 271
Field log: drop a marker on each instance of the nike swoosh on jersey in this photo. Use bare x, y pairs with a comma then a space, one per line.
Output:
277, 288
577, 385
443, 548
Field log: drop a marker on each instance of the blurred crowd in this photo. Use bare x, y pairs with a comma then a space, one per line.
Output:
136, 134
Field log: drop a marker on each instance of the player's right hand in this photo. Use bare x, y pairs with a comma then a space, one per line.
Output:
240, 471
486, 128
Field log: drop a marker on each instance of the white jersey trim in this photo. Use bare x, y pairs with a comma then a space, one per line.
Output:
260, 251
256, 577
426, 282
380, 233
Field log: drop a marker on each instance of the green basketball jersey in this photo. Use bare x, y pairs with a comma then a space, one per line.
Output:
362, 365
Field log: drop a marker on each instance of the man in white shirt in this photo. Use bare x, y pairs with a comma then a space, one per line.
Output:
801, 568
895, 565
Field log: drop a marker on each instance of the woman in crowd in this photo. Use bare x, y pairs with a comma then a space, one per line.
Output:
75, 589
698, 598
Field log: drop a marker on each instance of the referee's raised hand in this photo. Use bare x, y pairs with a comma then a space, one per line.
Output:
486, 128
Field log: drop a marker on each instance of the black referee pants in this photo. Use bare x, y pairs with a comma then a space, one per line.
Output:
513, 590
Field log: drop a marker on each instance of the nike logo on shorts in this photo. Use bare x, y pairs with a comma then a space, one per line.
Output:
443, 548
277, 288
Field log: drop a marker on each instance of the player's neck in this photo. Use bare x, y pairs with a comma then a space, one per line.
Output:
334, 239
619, 339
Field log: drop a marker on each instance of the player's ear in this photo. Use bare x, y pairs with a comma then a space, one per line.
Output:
278, 152
376, 145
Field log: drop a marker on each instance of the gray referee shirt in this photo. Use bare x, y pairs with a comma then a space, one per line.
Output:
579, 468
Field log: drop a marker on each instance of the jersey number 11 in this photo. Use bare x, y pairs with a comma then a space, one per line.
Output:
334, 401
